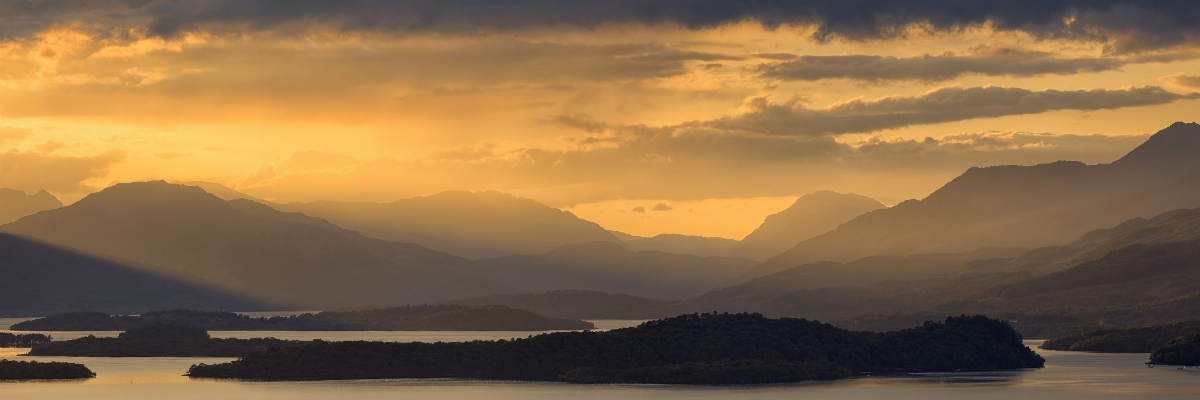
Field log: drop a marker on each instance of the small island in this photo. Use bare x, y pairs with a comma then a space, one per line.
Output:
688, 349
25, 340
1124, 340
30, 370
407, 318
1183, 350
161, 340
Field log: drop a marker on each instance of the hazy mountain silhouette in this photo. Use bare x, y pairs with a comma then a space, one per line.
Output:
15, 204
581, 304
42, 279
811, 215
222, 191
1140, 271
1019, 206
469, 224
608, 267
250, 249
682, 244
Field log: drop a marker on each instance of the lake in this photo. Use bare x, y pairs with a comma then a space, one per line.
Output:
1067, 375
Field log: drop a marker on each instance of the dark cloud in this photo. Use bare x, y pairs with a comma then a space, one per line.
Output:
934, 68
945, 104
639, 209
1127, 25
662, 207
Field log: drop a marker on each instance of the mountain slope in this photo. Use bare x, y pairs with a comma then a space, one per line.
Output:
608, 267
250, 249
43, 279
469, 224
15, 204
811, 215
682, 244
1016, 206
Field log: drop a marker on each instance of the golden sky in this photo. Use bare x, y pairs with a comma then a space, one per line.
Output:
722, 112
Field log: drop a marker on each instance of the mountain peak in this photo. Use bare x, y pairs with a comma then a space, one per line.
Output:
155, 193
1173, 147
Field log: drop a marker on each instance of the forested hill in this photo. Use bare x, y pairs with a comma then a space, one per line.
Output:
689, 349
408, 318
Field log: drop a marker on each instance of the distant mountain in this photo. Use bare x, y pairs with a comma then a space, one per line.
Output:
15, 204
682, 244
608, 267
580, 304
1142, 271
469, 224
250, 249
811, 215
43, 279
1017, 206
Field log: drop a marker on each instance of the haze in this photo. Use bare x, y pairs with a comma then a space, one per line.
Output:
644, 118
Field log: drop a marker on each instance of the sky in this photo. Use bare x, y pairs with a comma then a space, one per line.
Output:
696, 117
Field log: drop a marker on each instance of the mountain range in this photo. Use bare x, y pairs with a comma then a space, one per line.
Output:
1019, 206
247, 248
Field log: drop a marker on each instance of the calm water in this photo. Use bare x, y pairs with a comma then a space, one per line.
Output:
1066, 376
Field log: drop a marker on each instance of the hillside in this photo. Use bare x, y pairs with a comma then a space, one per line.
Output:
1130, 340
681, 244
43, 279
580, 304
469, 224
15, 204
1019, 206
811, 215
608, 267
243, 247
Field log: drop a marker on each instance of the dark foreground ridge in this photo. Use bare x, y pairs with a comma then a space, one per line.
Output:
689, 349
25, 370
1183, 350
161, 340
1129, 340
408, 318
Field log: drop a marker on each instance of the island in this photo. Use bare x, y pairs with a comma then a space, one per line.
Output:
407, 318
1123, 340
28, 370
688, 349
24, 340
161, 340
1183, 350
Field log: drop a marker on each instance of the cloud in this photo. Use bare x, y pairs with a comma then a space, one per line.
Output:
170, 155
935, 68
638, 209
945, 104
662, 207
1184, 80
13, 135
1126, 25
60, 174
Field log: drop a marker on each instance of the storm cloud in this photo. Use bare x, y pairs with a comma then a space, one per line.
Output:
1127, 25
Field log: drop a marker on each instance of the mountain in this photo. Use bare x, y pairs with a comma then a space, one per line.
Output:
44, 279
811, 215
15, 204
682, 244
580, 304
469, 224
609, 267
221, 191
250, 249
1019, 206
1142, 271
